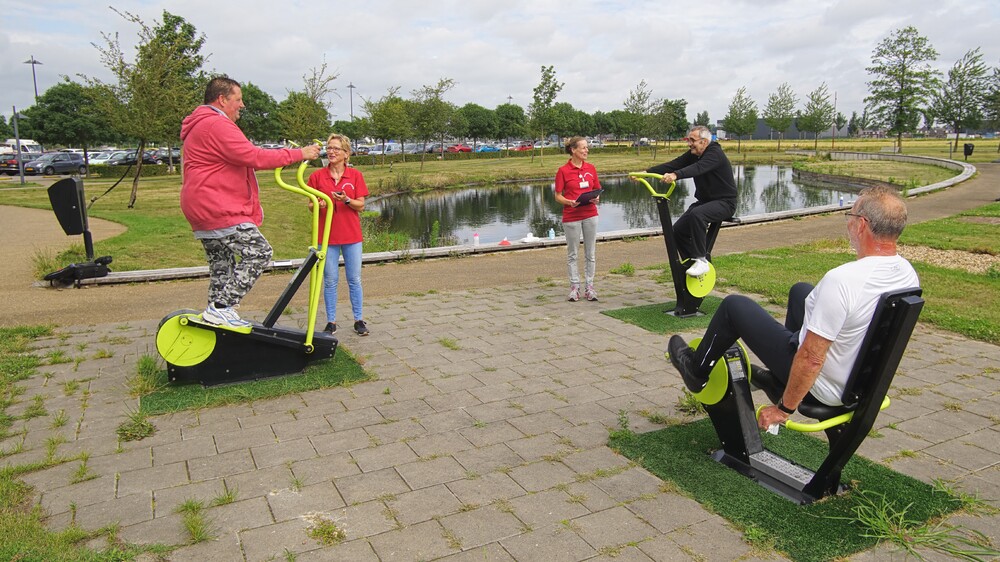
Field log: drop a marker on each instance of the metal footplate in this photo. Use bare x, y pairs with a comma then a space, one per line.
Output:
780, 468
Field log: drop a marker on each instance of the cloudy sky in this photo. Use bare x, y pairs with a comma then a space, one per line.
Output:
701, 51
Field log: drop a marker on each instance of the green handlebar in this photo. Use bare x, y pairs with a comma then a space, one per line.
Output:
641, 178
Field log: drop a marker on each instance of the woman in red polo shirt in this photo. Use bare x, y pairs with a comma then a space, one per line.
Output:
574, 179
346, 186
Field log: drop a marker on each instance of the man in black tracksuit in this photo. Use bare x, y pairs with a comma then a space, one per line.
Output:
715, 191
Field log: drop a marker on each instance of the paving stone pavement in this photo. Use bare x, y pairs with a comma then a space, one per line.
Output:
482, 436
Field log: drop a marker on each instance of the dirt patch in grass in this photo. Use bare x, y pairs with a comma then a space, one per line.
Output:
952, 259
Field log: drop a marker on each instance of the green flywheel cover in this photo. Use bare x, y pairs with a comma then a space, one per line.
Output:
699, 287
718, 379
183, 344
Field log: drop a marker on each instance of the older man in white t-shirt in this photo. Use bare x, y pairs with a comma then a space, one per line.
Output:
814, 351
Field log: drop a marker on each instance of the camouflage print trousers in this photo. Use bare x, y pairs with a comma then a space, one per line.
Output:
230, 280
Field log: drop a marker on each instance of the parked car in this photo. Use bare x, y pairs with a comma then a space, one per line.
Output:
57, 163
459, 147
8, 162
435, 148
98, 157
175, 153
523, 146
362, 149
127, 158
388, 148
487, 148
595, 143
413, 148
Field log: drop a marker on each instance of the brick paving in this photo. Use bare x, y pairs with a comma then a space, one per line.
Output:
480, 437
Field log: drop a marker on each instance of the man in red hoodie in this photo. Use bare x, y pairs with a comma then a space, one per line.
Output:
219, 196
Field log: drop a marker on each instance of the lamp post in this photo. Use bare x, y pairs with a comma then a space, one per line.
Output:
351, 87
17, 141
33, 61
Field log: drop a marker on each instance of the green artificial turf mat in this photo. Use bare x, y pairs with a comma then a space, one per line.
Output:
823, 530
652, 317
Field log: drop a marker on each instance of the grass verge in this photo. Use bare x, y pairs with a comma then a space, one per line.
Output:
656, 318
824, 530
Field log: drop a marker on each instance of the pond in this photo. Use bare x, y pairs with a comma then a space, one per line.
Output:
514, 210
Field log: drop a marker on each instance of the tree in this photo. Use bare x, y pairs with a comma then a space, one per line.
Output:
67, 115
780, 110
353, 129
603, 124
960, 100
991, 105
902, 82
6, 129
511, 121
540, 109
742, 117
302, 119
482, 122
458, 125
639, 109
669, 120
317, 84
152, 94
818, 113
852, 124
259, 119
433, 113
388, 117
702, 119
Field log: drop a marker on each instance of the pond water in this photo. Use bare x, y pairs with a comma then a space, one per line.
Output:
515, 210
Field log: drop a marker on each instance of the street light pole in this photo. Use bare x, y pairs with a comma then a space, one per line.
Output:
17, 141
351, 87
33, 61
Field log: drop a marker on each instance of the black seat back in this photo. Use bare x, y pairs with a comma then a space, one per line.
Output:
890, 329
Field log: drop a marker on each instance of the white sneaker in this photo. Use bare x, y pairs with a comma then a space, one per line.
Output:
225, 316
698, 268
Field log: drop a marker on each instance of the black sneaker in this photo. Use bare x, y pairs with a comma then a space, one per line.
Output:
682, 357
361, 328
331, 328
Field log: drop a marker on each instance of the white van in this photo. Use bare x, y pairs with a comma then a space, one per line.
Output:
390, 148
27, 145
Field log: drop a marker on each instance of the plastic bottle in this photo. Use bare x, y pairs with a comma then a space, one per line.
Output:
475, 239
552, 233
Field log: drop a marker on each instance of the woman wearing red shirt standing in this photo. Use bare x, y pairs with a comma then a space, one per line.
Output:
575, 178
346, 186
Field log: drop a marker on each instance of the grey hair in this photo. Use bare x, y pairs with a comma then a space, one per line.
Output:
702, 132
884, 210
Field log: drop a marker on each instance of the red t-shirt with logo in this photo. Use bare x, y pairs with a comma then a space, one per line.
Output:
346, 225
572, 182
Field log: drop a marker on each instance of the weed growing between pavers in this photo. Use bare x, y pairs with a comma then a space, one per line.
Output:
24, 535
342, 370
823, 530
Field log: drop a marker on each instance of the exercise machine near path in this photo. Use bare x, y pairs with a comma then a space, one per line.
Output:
691, 291
730, 406
70, 206
197, 351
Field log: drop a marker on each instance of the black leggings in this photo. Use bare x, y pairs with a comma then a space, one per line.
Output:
739, 317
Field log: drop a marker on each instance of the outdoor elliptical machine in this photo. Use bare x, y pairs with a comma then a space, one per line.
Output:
196, 351
691, 291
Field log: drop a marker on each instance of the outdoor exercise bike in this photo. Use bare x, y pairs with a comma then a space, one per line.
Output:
691, 291
730, 406
196, 351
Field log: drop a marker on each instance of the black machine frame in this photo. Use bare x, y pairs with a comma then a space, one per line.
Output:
735, 420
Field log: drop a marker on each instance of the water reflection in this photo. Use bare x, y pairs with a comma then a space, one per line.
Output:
514, 211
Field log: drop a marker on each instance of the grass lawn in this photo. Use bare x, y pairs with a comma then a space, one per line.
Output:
158, 236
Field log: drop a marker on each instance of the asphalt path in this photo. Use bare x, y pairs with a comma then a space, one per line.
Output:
26, 232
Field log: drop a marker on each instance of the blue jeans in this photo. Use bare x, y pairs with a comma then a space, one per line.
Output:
331, 277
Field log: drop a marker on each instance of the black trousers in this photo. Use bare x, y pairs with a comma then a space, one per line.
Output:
774, 343
690, 229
